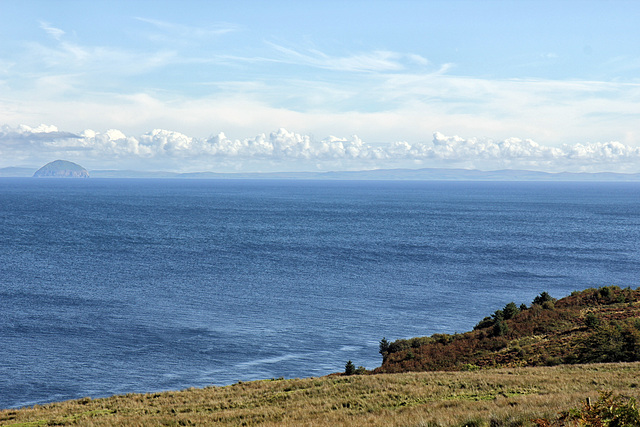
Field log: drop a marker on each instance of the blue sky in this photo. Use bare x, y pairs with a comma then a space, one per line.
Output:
321, 85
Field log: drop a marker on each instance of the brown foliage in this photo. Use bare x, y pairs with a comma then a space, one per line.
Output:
549, 333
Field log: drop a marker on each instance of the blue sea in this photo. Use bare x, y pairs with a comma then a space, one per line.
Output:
115, 286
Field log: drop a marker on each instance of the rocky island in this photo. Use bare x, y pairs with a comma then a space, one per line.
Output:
61, 169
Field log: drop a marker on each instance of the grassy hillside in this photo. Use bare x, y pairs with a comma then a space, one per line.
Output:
497, 397
499, 374
595, 325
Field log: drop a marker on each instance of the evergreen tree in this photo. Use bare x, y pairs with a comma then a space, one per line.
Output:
542, 298
384, 348
510, 311
349, 368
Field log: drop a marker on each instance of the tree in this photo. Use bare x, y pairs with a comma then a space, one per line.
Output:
384, 347
510, 311
349, 368
542, 298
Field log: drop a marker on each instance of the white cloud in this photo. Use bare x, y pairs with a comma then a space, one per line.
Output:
54, 32
380, 95
518, 153
286, 150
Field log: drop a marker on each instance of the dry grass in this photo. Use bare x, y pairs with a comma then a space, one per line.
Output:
507, 397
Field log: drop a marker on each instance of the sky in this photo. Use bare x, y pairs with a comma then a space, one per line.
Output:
257, 86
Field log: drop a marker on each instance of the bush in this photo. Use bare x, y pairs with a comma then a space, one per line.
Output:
398, 345
443, 338
469, 367
609, 410
606, 292
542, 298
591, 321
484, 323
500, 328
548, 305
613, 342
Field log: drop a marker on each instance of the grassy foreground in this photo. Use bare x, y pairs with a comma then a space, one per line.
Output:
496, 397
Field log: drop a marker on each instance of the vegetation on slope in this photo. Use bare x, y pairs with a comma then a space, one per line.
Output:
595, 325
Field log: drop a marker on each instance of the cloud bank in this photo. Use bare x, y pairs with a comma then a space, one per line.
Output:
283, 150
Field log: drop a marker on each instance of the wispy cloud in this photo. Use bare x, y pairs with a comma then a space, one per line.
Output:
172, 32
68, 65
54, 32
376, 61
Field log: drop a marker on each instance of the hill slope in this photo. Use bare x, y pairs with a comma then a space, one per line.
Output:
496, 397
595, 325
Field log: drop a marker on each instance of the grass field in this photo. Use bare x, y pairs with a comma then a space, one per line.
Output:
496, 397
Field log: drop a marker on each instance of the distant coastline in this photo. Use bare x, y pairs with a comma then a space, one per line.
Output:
425, 174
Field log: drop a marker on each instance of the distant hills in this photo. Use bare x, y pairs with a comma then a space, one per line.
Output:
425, 174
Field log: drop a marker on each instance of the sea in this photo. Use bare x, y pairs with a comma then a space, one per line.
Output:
113, 286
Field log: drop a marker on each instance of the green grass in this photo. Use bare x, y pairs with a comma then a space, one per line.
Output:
508, 396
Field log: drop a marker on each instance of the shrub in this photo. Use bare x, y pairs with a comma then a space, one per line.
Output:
591, 321
361, 370
469, 367
613, 342
484, 323
398, 345
606, 292
500, 328
609, 410
443, 338
542, 298
548, 305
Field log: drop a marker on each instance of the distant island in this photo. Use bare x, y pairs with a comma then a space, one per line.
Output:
61, 169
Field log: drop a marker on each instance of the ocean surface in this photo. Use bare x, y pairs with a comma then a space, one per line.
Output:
114, 286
